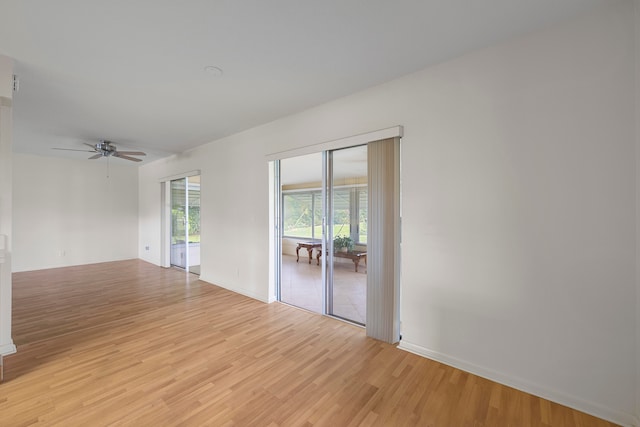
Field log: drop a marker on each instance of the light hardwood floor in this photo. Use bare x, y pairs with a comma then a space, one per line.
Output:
128, 343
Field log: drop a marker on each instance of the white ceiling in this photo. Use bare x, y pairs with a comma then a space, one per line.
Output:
134, 71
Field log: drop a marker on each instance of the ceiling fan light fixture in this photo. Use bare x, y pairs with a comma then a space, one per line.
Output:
106, 148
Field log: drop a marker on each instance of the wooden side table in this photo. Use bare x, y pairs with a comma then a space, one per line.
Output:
309, 246
354, 256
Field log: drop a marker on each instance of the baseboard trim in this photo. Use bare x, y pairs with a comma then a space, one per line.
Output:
526, 386
237, 291
7, 349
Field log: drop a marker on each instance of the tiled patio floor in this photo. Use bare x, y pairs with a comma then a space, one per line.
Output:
301, 285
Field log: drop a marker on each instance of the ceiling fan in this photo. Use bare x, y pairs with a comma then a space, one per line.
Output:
107, 149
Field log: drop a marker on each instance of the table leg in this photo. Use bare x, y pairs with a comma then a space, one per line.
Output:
310, 252
298, 253
356, 261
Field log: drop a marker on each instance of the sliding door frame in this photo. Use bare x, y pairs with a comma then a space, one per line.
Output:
184, 206
327, 230
394, 133
165, 223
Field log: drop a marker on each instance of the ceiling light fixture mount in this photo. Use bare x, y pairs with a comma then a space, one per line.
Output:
213, 70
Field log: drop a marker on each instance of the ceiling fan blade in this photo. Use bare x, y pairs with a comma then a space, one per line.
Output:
73, 149
89, 145
96, 156
132, 153
133, 159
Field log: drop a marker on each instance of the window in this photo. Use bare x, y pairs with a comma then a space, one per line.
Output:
302, 214
362, 215
342, 213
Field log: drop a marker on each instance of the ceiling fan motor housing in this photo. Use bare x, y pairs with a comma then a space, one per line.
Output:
106, 148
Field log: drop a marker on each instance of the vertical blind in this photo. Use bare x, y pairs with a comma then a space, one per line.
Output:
383, 266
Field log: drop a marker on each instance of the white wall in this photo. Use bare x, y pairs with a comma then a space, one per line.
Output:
6, 77
234, 213
6, 143
518, 196
519, 225
67, 212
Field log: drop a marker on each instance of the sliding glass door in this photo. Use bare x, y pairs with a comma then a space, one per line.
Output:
185, 223
337, 223
319, 211
179, 223
301, 275
347, 234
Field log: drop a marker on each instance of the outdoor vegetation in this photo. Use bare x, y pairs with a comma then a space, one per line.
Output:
177, 225
302, 214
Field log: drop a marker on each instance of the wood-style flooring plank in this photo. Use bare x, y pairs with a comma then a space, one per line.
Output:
131, 344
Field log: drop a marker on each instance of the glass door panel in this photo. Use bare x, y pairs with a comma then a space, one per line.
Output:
178, 223
347, 272
194, 223
301, 277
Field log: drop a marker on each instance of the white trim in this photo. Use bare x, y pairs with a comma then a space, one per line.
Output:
251, 295
350, 141
275, 242
180, 176
591, 408
7, 349
3, 248
165, 221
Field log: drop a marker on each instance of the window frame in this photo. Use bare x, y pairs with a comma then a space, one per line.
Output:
315, 194
316, 198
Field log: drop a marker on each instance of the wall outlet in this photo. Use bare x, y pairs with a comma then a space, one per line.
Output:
146, 248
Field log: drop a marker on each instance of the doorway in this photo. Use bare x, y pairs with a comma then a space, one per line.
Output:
185, 223
323, 259
373, 232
